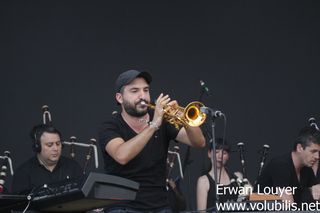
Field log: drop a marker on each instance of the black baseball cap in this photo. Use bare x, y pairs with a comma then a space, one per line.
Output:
126, 77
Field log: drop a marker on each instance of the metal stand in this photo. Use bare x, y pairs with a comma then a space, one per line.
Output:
213, 157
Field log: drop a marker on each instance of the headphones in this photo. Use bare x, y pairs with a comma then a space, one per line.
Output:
37, 133
36, 146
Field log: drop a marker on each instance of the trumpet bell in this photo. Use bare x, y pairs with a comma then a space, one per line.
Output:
193, 116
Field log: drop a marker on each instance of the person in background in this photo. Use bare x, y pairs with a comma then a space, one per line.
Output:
47, 165
206, 185
294, 169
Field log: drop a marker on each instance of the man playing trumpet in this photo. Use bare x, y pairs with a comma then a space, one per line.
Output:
136, 142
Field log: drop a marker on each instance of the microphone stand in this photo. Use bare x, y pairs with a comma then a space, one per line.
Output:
201, 94
213, 116
263, 158
213, 157
85, 145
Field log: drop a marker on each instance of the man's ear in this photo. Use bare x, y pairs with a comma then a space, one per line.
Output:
119, 97
299, 147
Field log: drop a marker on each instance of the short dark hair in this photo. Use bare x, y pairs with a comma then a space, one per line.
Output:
36, 133
220, 145
307, 135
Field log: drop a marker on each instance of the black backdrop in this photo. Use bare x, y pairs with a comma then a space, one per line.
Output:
260, 60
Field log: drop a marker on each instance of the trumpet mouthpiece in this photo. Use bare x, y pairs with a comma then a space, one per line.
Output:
143, 103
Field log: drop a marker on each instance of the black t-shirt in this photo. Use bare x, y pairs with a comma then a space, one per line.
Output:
318, 173
211, 198
280, 172
32, 174
148, 168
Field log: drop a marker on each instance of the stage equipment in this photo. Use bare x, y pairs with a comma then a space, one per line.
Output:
172, 155
204, 87
93, 146
7, 162
46, 115
213, 114
12, 202
95, 191
264, 153
313, 123
88, 156
244, 182
73, 139
242, 159
90, 192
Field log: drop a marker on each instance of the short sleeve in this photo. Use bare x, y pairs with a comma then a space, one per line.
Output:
108, 131
172, 132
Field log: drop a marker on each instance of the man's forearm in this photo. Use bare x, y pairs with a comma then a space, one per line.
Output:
131, 148
195, 136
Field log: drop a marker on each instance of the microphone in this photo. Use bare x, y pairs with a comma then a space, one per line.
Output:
46, 115
232, 180
204, 87
241, 149
3, 169
3, 174
73, 139
95, 151
172, 155
176, 148
242, 160
312, 122
171, 158
264, 154
89, 153
9, 161
212, 112
239, 181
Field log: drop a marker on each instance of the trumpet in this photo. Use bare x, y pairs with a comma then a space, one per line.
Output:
178, 116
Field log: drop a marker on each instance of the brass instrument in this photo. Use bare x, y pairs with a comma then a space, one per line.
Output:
179, 116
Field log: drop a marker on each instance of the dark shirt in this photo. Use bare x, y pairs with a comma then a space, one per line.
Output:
318, 173
32, 174
148, 168
280, 172
211, 198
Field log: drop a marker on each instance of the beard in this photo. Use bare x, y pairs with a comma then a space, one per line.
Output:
132, 109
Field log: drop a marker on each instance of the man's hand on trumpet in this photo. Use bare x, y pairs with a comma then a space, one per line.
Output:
159, 110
